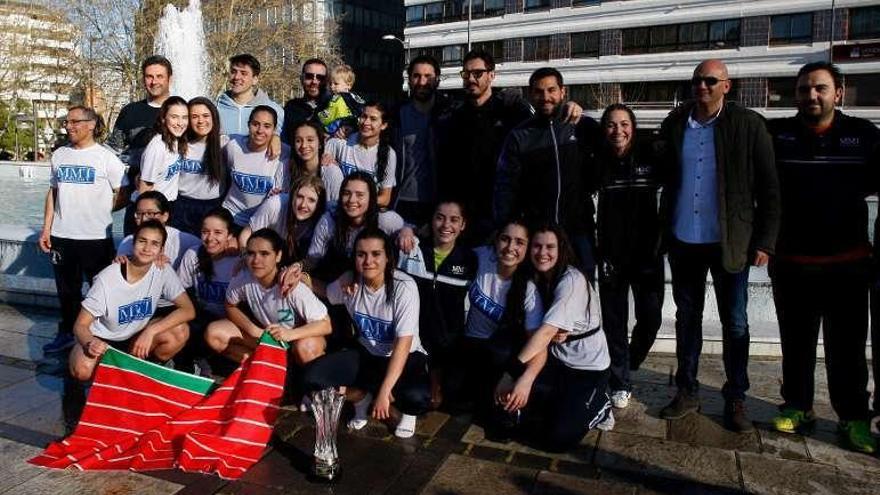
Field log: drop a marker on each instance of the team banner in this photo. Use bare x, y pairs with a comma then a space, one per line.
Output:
142, 416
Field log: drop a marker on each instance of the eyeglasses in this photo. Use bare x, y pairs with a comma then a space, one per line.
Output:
477, 73
309, 76
66, 122
147, 214
709, 80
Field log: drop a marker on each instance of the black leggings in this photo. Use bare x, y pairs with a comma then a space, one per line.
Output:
359, 368
75, 260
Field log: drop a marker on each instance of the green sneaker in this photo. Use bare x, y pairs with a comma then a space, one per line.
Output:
858, 436
794, 420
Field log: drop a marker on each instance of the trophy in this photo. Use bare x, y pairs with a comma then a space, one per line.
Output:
326, 406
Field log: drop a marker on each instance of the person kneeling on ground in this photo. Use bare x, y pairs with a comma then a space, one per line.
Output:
120, 308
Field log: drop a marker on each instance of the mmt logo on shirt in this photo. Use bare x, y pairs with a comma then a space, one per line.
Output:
138, 310
75, 174
212, 292
485, 304
347, 168
174, 168
375, 329
189, 166
252, 184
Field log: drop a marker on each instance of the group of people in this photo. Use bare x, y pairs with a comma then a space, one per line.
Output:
444, 252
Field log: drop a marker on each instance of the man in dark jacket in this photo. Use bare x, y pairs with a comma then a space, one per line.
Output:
828, 163
299, 110
721, 204
545, 166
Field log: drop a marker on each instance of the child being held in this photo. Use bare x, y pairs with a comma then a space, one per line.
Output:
343, 108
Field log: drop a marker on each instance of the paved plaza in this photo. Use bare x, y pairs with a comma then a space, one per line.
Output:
448, 455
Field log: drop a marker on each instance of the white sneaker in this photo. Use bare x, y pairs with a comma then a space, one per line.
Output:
620, 399
407, 426
361, 413
608, 423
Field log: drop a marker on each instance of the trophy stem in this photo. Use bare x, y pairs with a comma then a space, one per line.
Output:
326, 407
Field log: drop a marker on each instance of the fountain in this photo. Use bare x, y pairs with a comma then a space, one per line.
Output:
181, 39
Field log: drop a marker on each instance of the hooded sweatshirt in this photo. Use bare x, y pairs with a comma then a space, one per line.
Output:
234, 117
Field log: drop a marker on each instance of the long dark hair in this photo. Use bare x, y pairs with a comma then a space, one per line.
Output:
298, 167
514, 317
290, 220
213, 157
275, 240
206, 264
384, 142
547, 282
343, 221
174, 144
390, 254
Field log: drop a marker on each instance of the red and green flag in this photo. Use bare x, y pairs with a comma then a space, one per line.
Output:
142, 416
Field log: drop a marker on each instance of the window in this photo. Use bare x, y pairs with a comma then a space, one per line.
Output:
452, 55
487, 8
454, 10
586, 95
658, 94
864, 23
862, 90
536, 49
790, 29
585, 45
436, 52
531, 5
415, 15
433, 12
780, 91
580, 3
682, 37
494, 48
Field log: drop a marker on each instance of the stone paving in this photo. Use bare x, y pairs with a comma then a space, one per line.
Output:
449, 455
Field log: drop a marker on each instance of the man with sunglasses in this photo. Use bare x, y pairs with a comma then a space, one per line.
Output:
721, 207
828, 163
299, 110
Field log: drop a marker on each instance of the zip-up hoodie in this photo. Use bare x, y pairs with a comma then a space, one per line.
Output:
544, 173
234, 117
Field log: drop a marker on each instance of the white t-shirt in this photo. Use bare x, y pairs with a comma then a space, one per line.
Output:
332, 177
488, 295
211, 294
195, 181
352, 156
379, 322
85, 180
389, 222
122, 309
253, 176
176, 245
575, 309
300, 306
161, 167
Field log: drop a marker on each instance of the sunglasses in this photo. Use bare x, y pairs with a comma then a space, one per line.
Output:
477, 73
709, 80
307, 76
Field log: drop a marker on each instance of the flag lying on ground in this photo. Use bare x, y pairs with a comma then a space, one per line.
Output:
143, 416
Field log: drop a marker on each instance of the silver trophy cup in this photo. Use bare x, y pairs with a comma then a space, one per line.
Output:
326, 406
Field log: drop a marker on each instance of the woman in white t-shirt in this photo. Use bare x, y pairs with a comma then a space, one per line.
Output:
203, 176
205, 272
120, 308
504, 308
368, 150
573, 383
299, 317
163, 156
305, 160
152, 205
389, 363
293, 220
254, 175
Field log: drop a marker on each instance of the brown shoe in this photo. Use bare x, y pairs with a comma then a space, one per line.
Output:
735, 417
682, 405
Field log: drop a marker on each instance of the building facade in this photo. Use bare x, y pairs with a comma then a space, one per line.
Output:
642, 52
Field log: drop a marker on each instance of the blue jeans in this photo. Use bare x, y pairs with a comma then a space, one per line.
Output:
690, 263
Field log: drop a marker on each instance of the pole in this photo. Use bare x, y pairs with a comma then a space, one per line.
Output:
470, 16
36, 128
91, 98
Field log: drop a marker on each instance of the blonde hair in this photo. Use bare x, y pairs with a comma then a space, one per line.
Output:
345, 72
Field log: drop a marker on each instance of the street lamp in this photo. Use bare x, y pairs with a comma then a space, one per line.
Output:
403, 43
